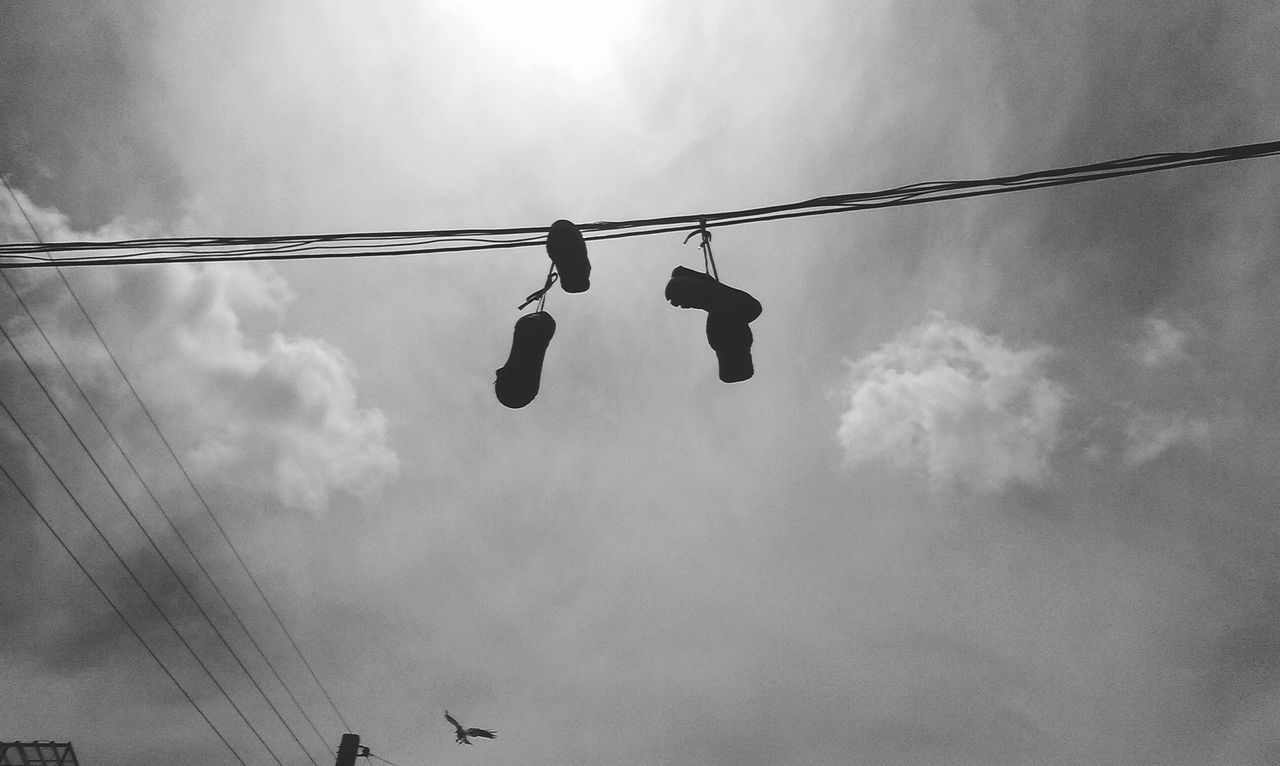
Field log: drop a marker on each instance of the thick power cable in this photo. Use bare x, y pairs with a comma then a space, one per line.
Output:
132, 575
408, 243
182, 468
178, 533
118, 611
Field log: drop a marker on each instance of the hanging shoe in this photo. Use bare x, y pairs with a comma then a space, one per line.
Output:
518, 379
568, 251
689, 289
731, 339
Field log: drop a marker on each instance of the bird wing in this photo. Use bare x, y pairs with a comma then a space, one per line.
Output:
453, 721
486, 733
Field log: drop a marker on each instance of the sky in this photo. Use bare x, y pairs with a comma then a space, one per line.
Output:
1002, 489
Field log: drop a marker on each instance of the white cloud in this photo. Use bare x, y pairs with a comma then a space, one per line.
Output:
1150, 434
301, 433
1161, 343
259, 409
957, 403
1165, 407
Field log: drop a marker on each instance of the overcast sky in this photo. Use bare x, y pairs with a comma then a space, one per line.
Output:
1003, 489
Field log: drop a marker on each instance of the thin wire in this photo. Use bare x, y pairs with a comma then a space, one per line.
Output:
119, 496
118, 611
409, 243
129, 570
167, 518
380, 758
182, 468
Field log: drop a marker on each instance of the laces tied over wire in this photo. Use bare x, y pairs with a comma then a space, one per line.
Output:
540, 295
708, 260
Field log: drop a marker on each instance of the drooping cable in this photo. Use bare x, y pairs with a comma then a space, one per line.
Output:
182, 469
132, 575
409, 243
177, 532
119, 613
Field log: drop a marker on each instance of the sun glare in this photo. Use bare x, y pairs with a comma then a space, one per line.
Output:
575, 37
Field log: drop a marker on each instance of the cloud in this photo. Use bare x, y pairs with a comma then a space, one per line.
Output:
308, 437
956, 403
1149, 434
1161, 344
1158, 396
244, 406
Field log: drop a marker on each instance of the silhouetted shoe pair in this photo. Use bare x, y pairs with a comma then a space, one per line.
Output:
729, 311
519, 378
568, 251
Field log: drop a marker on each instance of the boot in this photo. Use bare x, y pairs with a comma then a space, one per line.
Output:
731, 339
689, 289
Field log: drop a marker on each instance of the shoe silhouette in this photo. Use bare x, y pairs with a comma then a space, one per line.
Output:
731, 339
689, 289
568, 251
518, 379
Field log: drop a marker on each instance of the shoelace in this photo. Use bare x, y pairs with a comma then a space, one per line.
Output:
540, 295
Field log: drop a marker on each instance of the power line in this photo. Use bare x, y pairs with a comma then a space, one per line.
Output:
165, 514
410, 243
132, 575
120, 497
209, 511
185, 474
118, 611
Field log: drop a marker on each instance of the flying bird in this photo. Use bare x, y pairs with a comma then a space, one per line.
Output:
462, 733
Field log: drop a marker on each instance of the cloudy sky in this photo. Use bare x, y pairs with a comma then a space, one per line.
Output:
1003, 489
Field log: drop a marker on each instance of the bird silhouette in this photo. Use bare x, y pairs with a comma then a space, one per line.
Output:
462, 734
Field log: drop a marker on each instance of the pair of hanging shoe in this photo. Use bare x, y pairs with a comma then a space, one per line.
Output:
518, 380
730, 312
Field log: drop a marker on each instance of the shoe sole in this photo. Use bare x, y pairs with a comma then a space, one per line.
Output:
568, 251
519, 379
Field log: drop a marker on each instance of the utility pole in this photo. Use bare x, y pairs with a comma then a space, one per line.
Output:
349, 749
37, 753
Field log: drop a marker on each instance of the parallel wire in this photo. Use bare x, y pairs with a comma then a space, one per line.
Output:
117, 610
410, 243
119, 448
185, 474
119, 496
132, 575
